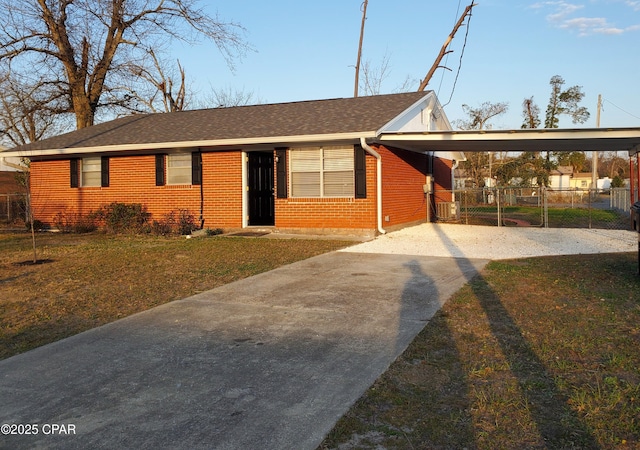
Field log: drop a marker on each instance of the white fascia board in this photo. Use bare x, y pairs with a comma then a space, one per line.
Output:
453, 156
428, 107
226, 143
515, 135
401, 120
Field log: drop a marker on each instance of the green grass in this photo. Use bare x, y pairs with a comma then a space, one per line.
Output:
558, 217
534, 353
83, 281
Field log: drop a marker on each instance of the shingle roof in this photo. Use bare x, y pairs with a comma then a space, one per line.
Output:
318, 117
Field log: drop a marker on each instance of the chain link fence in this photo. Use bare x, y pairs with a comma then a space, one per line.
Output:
535, 207
13, 208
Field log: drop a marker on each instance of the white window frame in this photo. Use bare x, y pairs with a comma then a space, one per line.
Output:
322, 172
179, 171
91, 171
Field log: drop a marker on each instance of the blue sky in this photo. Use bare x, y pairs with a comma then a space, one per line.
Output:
307, 50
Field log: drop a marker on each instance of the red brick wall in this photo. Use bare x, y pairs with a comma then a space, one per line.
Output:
443, 182
132, 180
9, 183
223, 184
331, 213
403, 176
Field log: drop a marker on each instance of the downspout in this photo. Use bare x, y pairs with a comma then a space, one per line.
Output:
201, 189
453, 178
378, 158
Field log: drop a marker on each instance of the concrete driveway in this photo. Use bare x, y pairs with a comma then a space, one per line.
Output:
269, 362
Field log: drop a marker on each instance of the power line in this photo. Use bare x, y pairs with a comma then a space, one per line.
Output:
464, 45
446, 59
626, 112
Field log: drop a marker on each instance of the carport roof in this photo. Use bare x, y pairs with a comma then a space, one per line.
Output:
557, 139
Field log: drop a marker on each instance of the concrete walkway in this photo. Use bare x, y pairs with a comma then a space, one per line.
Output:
270, 362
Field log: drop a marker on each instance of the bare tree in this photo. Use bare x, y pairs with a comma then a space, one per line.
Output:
25, 111
530, 113
84, 47
227, 97
167, 89
479, 117
612, 164
373, 78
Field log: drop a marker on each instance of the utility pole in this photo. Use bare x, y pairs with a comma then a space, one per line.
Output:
594, 154
364, 18
444, 51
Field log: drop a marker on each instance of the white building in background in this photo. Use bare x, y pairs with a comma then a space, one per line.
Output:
8, 164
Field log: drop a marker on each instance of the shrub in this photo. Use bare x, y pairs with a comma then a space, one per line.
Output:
69, 222
37, 225
186, 222
617, 182
124, 217
179, 221
213, 232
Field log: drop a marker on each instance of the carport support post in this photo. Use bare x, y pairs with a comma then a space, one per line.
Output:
638, 176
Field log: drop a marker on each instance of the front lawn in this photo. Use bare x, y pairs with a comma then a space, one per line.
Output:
83, 281
539, 353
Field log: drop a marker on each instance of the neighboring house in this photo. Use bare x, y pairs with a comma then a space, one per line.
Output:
581, 180
560, 178
326, 166
9, 184
11, 197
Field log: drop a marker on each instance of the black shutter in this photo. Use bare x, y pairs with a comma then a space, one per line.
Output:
281, 172
104, 171
74, 172
196, 168
160, 170
360, 171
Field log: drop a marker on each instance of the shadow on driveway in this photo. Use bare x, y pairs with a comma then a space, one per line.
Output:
268, 362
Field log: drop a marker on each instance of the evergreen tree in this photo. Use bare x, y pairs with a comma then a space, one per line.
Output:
564, 102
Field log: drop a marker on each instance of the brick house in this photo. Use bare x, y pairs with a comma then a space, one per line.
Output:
315, 166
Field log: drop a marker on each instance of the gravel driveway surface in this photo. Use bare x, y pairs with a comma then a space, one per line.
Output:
472, 241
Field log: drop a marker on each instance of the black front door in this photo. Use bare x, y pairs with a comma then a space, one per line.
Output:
261, 199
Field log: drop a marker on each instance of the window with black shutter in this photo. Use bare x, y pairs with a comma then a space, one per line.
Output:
281, 172
160, 181
104, 171
74, 172
360, 172
196, 168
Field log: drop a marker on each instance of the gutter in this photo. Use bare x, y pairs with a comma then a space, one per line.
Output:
18, 167
376, 155
454, 166
211, 144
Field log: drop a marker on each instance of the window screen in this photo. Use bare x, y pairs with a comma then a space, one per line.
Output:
322, 172
91, 171
179, 168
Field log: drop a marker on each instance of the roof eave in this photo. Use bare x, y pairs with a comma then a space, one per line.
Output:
223, 143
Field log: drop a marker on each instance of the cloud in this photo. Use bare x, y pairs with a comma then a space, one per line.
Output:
586, 26
563, 10
563, 17
633, 4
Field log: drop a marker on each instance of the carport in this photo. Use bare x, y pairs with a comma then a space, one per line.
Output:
527, 140
533, 140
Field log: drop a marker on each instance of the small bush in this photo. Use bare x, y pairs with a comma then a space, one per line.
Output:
186, 222
68, 222
124, 218
213, 232
179, 221
37, 225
